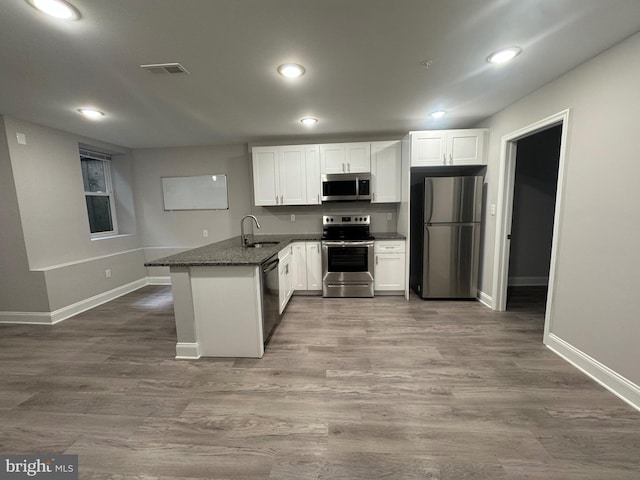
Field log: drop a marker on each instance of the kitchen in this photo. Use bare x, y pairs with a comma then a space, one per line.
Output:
54, 275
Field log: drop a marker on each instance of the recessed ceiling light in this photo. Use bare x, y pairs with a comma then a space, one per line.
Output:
91, 113
291, 70
308, 121
56, 8
438, 114
504, 55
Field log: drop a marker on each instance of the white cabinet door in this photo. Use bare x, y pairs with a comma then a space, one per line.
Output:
292, 165
428, 148
386, 172
314, 266
466, 147
285, 277
299, 265
358, 157
448, 147
345, 157
314, 184
389, 265
389, 271
266, 188
333, 157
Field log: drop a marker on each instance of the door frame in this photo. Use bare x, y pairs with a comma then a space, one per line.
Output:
506, 184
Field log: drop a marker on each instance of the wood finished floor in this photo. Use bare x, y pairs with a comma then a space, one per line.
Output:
348, 389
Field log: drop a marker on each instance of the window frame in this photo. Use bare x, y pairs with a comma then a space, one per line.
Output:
109, 192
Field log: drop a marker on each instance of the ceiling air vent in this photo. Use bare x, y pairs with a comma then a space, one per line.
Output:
165, 68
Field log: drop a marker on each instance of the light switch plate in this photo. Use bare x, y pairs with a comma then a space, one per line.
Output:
293, 217
21, 138
389, 216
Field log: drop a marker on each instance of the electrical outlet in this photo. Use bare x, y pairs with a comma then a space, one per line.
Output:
21, 138
205, 233
293, 217
107, 273
389, 216
493, 209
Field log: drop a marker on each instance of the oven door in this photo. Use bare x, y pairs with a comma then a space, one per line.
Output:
347, 268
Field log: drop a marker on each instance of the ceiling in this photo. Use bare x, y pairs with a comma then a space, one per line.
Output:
363, 59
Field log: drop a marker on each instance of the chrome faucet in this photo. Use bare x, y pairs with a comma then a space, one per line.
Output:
243, 237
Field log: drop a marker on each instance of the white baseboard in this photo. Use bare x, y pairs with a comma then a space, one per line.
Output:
50, 318
621, 387
187, 351
485, 299
92, 302
33, 318
159, 280
528, 281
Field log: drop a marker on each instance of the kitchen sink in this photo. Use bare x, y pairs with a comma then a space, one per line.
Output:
261, 244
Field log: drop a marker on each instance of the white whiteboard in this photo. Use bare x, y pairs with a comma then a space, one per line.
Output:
204, 192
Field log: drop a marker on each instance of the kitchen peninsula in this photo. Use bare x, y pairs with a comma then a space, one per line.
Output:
217, 295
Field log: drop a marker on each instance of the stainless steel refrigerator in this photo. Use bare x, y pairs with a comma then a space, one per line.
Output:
445, 236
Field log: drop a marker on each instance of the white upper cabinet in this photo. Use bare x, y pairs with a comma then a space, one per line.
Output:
314, 183
448, 147
386, 182
345, 157
286, 175
292, 166
266, 175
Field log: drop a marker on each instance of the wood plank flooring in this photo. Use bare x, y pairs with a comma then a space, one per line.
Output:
348, 389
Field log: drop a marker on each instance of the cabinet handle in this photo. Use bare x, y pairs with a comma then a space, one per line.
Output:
276, 199
281, 199
318, 198
376, 259
373, 196
451, 158
348, 167
343, 168
444, 158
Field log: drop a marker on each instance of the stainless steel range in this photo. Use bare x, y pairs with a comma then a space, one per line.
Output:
347, 256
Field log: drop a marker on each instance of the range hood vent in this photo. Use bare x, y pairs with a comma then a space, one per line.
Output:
165, 68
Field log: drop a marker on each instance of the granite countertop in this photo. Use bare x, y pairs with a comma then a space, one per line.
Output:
388, 236
229, 252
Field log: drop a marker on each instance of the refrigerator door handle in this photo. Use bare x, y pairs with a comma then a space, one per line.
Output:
428, 200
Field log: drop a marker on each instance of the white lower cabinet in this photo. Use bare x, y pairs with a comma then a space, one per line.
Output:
389, 270
314, 266
299, 265
285, 276
306, 266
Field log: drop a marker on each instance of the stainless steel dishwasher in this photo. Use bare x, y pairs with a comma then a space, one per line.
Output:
270, 294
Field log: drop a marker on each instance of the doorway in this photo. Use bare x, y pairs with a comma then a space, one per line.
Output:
532, 220
506, 186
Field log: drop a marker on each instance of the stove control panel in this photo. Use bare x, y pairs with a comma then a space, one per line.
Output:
357, 219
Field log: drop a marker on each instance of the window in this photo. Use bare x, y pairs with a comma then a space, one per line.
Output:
98, 193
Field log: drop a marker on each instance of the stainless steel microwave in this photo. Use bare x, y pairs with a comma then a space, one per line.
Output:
342, 187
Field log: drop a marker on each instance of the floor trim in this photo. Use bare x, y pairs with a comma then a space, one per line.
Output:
51, 318
485, 299
159, 280
528, 281
621, 387
187, 351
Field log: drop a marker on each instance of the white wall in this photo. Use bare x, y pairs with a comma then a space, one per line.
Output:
20, 289
53, 230
597, 280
